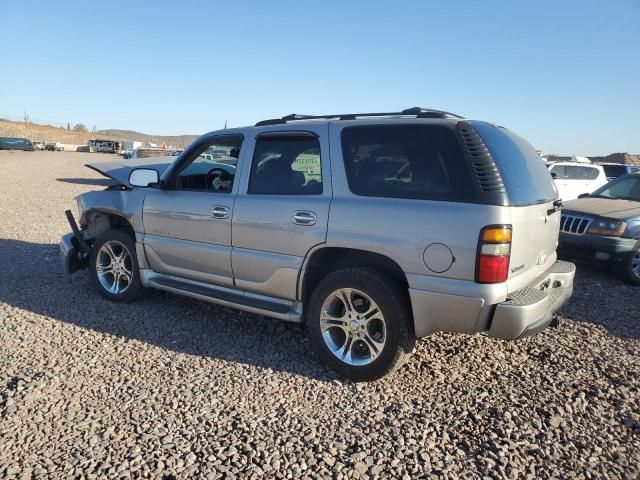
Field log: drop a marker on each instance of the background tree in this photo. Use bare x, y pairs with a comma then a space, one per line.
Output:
80, 127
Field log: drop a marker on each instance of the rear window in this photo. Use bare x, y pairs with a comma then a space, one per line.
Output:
525, 176
612, 171
574, 172
406, 161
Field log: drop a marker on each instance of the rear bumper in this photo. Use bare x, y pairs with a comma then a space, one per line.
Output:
531, 309
489, 308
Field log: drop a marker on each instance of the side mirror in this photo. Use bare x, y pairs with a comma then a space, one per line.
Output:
143, 177
554, 175
583, 195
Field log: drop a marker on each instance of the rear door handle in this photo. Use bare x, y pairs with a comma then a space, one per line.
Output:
303, 217
220, 212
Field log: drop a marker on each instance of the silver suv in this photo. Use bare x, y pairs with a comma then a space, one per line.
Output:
373, 229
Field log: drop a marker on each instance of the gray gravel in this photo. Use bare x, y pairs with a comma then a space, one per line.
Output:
176, 388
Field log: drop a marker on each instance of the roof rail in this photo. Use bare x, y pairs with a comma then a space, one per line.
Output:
418, 112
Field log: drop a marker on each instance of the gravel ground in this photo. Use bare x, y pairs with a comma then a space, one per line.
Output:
171, 387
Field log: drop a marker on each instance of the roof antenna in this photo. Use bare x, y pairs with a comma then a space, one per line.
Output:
225, 124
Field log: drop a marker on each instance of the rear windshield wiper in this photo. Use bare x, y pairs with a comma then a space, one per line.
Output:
557, 205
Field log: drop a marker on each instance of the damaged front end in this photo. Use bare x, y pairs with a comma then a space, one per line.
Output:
73, 249
117, 207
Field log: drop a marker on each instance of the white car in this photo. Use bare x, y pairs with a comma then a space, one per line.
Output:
573, 179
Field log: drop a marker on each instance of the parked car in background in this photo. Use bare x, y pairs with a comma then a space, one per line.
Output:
147, 152
573, 179
410, 223
15, 143
54, 146
605, 227
38, 145
614, 170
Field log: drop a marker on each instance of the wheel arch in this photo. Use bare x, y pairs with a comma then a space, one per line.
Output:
325, 260
96, 221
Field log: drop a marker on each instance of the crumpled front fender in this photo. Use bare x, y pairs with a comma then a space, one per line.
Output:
123, 203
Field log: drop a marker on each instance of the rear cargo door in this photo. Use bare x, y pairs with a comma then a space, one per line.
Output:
534, 242
532, 194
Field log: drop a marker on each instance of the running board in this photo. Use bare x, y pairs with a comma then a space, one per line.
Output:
262, 305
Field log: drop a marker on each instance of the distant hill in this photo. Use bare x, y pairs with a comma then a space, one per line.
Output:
37, 132
623, 158
175, 140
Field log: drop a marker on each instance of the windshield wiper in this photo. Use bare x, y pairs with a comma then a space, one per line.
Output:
633, 199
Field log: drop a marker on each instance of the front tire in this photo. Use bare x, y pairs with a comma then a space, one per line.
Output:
630, 268
113, 266
359, 323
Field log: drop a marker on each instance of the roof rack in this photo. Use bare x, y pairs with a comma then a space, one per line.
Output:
418, 112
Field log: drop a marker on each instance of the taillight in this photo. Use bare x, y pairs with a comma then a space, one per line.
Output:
494, 250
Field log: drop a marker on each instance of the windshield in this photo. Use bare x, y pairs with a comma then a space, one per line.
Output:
624, 188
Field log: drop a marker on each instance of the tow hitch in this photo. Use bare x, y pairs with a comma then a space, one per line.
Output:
555, 321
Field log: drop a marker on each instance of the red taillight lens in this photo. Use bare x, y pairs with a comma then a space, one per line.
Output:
493, 269
494, 250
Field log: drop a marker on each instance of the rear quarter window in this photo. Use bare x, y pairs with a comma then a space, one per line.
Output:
406, 161
525, 176
590, 173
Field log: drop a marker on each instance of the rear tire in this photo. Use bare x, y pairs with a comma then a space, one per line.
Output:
359, 323
113, 266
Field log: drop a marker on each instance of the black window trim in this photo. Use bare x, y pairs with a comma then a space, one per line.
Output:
284, 134
185, 159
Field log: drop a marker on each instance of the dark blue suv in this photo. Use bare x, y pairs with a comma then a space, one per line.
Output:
614, 170
9, 143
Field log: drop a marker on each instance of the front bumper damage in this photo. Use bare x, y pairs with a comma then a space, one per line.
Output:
73, 249
72, 259
596, 247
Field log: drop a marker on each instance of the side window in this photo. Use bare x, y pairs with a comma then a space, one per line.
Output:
574, 172
286, 165
590, 173
406, 161
212, 167
558, 170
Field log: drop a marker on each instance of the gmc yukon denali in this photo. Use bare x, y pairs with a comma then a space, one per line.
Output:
373, 229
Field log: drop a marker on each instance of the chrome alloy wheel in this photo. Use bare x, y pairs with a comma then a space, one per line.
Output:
353, 327
114, 267
635, 264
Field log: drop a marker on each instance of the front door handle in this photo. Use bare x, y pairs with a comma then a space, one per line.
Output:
221, 212
303, 217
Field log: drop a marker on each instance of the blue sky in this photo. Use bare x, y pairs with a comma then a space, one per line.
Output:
564, 74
